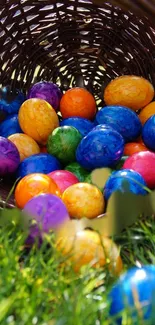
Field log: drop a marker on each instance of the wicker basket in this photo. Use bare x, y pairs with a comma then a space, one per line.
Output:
74, 43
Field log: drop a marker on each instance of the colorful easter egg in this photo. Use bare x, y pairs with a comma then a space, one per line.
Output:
136, 285
48, 210
37, 119
63, 179
25, 145
39, 163
33, 185
83, 200
116, 181
143, 163
78, 102
63, 142
83, 125
78, 171
134, 147
130, 91
47, 91
121, 119
9, 157
148, 133
87, 247
147, 112
10, 126
11, 100
102, 147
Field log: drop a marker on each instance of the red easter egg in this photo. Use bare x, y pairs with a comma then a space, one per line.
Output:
144, 164
63, 179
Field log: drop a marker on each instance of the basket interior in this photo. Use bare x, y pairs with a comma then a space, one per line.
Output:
72, 43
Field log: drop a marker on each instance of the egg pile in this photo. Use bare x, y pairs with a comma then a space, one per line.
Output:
52, 142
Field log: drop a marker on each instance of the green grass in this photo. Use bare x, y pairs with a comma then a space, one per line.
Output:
35, 290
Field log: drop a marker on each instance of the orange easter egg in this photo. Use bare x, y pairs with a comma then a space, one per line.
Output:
25, 145
134, 147
147, 112
37, 119
87, 247
130, 91
78, 102
33, 185
83, 200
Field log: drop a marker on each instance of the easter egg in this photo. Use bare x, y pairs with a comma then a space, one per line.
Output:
78, 102
39, 163
25, 145
143, 163
47, 91
63, 179
148, 133
10, 126
87, 247
37, 119
121, 162
116, 181
136, 285
147, 112
134, 147
48, 210
11, 100
78, 171
102, 147
83, 125
9, 157
130, 91
83, 200
33, 185
63, 142
121, 119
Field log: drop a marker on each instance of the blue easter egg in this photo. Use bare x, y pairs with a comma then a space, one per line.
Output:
136, 285
148, 133
83, 125
10, 101
10, 126
116, 180
39, 163
102, 147
122, 119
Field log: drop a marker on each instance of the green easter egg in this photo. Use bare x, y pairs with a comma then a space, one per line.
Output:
62, 143
121, 163
78, 171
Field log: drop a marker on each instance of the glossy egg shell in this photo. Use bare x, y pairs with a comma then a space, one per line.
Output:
121, 119
102, 147
33, 185
39, 163
9, 157
115, 182
83, 125
143, 163
10, 126
148, 133
63, 179
25, 145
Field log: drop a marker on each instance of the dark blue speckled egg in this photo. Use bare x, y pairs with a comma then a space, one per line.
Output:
10, 101
39, 163
83, 125
116, 180
122, 119
102, 147
148, 133
136, 282
10, 126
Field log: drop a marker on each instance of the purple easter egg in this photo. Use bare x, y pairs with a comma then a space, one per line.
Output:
9, 157
47, 91
48, 210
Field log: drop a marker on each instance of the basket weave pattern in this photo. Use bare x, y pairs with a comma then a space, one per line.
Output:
73, 43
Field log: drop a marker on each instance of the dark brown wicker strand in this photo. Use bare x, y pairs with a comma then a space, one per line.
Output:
75, 43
